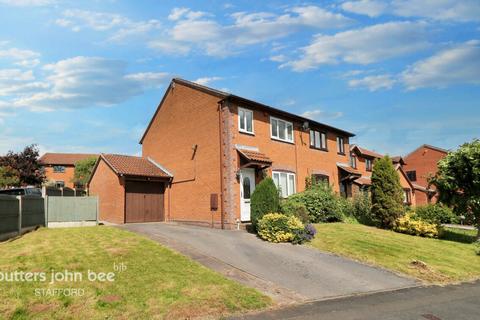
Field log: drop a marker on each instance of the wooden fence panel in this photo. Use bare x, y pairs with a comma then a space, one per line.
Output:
9, 208
33, 211
72, 209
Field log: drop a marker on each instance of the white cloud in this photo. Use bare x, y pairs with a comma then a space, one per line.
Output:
373, 83
205, 81
362, 46
320, 115
371, 8
446, 10
169, 47
17, 54
278, 58
83, 82
27, 3
200, 30
457, 65
121, 26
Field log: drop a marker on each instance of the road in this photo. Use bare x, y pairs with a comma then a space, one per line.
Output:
458, 302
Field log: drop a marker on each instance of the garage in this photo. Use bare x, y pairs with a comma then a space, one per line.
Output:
144, 201
130, 189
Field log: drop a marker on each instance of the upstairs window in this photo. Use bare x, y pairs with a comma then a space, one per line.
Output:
58, 169
281, 130
340, 145
285, 182
318, 140
245, 120
368, 164
353, 161
412, 175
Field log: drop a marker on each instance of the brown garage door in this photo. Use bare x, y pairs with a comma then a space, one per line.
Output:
144, 201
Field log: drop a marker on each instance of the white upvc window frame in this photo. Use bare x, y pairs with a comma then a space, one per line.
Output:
240, 119
287, 123
291, 177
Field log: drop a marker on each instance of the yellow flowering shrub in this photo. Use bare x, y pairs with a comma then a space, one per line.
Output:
277, 227
408, 225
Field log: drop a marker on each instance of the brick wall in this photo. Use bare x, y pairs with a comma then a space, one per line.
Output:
66, 176
424, 162
111, 194
188, 118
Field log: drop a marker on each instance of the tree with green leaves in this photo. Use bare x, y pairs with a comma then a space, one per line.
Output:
83, 171
387, 193
265, 199
8, 177
458, 180
27, 164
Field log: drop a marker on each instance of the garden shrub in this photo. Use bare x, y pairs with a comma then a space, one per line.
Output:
362, 209
322, 204
387, 193
294, 208
305, 235
410, 225
436, 213
277, 227
265, 199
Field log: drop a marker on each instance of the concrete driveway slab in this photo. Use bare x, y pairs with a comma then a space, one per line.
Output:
303, 273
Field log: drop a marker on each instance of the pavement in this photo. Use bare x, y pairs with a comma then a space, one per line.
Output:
288, 273
459, 302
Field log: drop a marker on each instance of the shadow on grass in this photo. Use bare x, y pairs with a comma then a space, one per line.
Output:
459, 235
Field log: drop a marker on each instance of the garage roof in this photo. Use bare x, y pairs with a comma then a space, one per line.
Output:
135, 166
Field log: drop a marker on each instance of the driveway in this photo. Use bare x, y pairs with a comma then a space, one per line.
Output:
297, 273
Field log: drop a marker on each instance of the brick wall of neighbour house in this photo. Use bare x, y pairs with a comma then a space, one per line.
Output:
188, 117
111, 194
297, 157
66, 176
424, 161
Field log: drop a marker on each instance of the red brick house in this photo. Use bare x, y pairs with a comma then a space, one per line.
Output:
218, 146
420, 165
130, 189
60, 167
361, 160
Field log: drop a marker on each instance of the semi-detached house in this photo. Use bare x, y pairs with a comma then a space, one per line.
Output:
217, 146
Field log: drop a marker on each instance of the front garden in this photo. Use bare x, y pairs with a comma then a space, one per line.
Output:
149, 281
377, 228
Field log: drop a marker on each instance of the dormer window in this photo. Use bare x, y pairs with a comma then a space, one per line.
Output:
368, 164
245, 120
353, 161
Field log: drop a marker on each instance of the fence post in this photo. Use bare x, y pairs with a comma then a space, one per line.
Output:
46, 210
19, 215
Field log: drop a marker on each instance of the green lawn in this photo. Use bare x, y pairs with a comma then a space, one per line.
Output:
446, 261
158, 283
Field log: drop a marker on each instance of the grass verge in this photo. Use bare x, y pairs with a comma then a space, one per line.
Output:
157, 283
430, 260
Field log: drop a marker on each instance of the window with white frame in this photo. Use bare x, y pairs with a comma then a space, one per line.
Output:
245, 120
281, 129
318, 140
368, 164
285, 182
353, 161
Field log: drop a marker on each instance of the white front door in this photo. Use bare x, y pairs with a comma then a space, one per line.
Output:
247, 185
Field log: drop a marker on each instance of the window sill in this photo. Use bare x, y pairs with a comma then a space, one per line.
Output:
247, 133
284, 141
319, 149
341, 153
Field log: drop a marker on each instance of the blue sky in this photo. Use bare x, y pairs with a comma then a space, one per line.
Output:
86, 76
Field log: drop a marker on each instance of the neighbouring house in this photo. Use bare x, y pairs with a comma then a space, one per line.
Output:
59, 168
361, 163
130, 189
420, 165
217, 146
